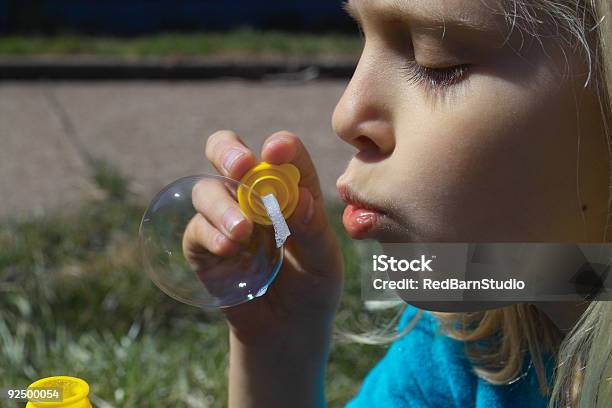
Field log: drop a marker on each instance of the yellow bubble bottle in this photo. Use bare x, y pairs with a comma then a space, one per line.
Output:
75, 393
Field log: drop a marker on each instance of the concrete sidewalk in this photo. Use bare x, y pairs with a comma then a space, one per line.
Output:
90, 67
153, 132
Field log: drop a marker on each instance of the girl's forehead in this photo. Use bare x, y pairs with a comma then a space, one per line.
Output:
484, 15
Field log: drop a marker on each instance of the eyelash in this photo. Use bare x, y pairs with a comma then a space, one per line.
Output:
435, 78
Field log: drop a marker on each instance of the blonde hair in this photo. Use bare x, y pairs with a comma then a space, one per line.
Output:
583, 376
510, 332
583, 373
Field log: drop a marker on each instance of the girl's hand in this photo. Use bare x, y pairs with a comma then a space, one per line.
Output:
303, 298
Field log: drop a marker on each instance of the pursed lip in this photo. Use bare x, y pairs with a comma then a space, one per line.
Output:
351, 197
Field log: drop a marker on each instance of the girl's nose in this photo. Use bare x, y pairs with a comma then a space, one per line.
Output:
363, 115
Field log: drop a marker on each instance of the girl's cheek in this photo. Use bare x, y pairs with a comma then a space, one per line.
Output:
483, 166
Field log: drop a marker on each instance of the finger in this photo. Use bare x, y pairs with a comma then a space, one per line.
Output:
201, 238
228, 154
311, 232
285, 147
213, 199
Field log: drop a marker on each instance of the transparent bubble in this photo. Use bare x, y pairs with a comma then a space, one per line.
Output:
206, 280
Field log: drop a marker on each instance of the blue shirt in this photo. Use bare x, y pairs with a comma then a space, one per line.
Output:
425, 368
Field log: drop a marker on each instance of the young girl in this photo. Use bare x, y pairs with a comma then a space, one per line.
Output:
474, 121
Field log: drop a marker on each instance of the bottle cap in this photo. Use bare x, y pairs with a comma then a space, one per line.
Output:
74, 392
263, 179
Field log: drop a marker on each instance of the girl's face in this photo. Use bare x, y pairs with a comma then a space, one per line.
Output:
468, 131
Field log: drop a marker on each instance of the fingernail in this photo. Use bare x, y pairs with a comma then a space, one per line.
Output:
230, 158
272, 141
310, 210
231, 218
220, 240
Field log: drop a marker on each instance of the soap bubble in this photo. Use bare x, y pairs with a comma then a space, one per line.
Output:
215, 281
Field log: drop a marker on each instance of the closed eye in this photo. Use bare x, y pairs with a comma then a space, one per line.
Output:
435, 78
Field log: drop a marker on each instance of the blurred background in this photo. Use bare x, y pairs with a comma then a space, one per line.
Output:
101, 105
133, 17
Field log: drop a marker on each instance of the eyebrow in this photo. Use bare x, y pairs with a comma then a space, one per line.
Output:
398, 9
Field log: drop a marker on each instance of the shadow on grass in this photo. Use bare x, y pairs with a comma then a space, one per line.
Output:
75, 301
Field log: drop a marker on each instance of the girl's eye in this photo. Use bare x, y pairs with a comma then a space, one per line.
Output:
435, 77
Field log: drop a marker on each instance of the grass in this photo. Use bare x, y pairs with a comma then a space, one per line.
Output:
75, 301
243, 42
